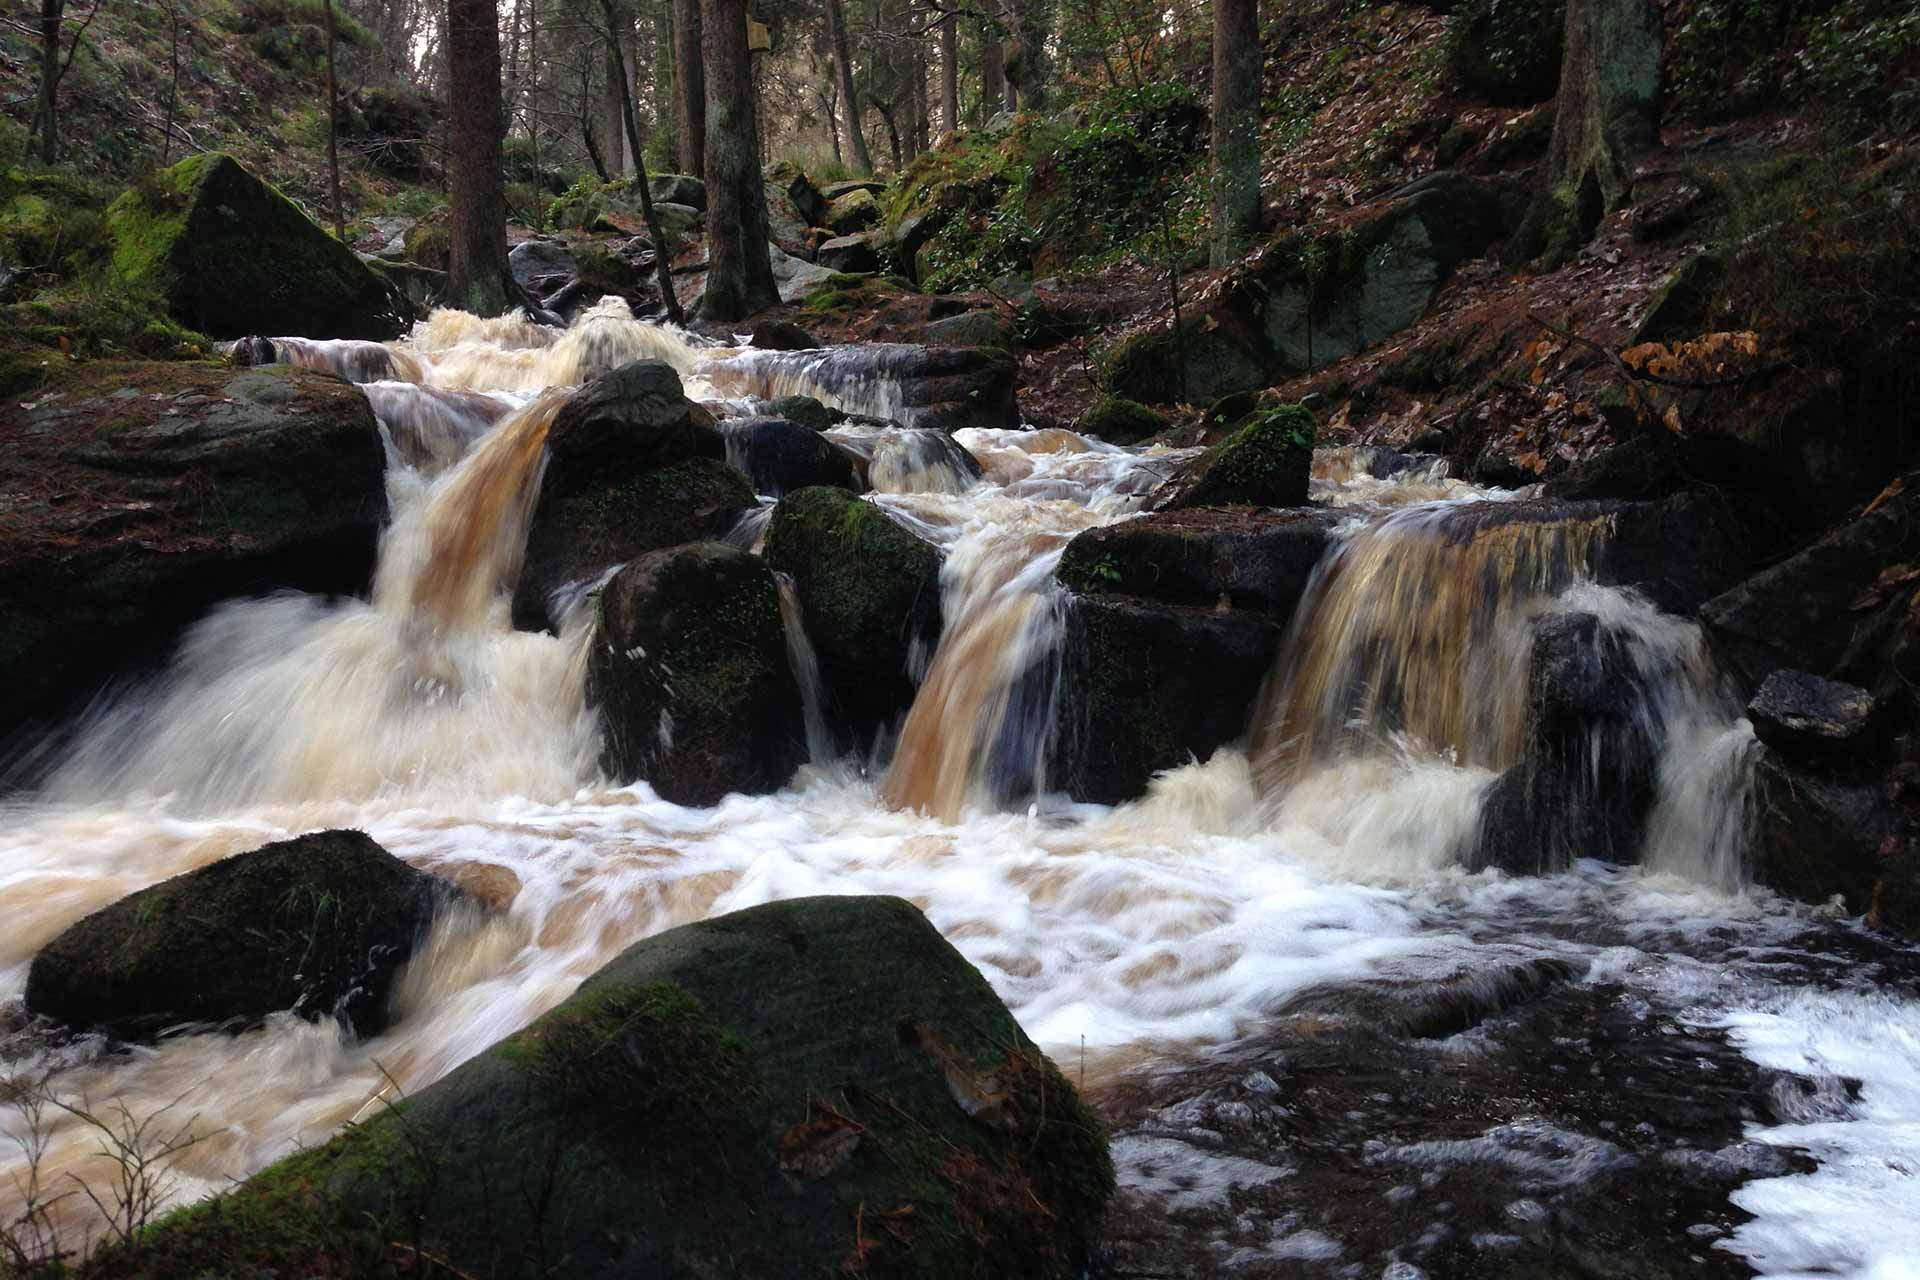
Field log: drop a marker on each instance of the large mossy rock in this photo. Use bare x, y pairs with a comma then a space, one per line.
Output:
869, 592
232, 256
317, 925
798, 1089
1266, 463
138, 495
632, 466
1120, 421
1175, 622
689, 670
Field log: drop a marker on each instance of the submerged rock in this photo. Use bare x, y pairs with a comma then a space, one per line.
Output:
1267, 463
766, 1093
317, 925
138, 495
688, 668
870, 595
780, 457
233, 256
632, 466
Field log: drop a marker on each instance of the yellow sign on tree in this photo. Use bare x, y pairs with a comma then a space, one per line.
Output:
758, 37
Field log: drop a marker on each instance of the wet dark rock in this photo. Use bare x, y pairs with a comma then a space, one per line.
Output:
1120, 421
233, 256
869, 592
1819, 832
1267, 463
806, 411
798, 190
911, 234
853, 253
1650, 467
1679, 552
1433, 1010
736, 1097
136, 496
947, 388
317, 925
1146, 686
1586, 779
1203, 558
1896, 897
1800, 714
541, 265
970, 329
1800, 614
678, 188
779, 456
688, 667
632, 466
1683, 308
781, 335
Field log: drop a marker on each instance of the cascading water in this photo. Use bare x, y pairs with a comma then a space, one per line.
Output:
1179, 928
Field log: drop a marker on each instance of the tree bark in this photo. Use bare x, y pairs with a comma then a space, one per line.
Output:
613, 135
46, 117
477, 277
993, 71
950, 74
739, 272
1027, 60
333, 128
689, 88
856, 142
1607, 109
1236, 127
662, 259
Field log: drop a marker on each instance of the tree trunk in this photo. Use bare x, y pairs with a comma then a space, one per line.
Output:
843, 74
1236, 127
662, 258
949, 74
1027, 60
993, 71
477, 277
613, 135
46, 116
739, 272
173, 83
333, 129
1608, 108
886, 111
689, 88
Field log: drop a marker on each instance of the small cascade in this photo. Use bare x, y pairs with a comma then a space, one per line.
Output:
457, 352
908, 459
1415, 627
353, 359
861, 379
806, 672
431, 428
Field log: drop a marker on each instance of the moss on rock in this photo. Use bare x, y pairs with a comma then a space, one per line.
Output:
1266, 463
1120, 421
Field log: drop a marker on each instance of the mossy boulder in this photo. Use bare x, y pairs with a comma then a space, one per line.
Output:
632, 466
1213, 558
853, 211
783, 1091
232, 256
1188, 365
799, 190
779, 456
317, 925
869, 592
689, 670
805, 410
138, 495
1267, 463
1120, 421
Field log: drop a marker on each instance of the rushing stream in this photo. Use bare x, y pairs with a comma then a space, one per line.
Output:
1466, 1057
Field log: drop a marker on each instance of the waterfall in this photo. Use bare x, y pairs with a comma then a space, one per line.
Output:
821, 748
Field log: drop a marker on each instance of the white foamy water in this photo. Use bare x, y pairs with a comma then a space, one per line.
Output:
1121, 937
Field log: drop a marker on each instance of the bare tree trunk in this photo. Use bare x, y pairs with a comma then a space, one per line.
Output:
843, 73
917, 104
950, 74
477, 276
689, 88
993, 70
1027, 60
46, 118
739, 272
613, 137
333, 129
173, 82
886, 111
662, 258
1236, 127
830, 101
1607, 109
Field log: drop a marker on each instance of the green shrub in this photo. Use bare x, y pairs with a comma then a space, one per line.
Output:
1853, 60
1507, 51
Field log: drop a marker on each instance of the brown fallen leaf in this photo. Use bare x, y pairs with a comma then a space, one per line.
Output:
1891, 579
818, 1145
981, 1094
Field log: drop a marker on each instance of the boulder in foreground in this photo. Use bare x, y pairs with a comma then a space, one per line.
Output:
815, 1087
317, 925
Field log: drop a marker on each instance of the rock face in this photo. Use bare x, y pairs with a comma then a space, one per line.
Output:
1800, 713
1818, 831
689, 669
232, 256
138, 495
1175, 622
849, 253
779, 456
870, 595
732, 1097
632, 466
969, 329
1586, 780
1267, 463
317, 925
797, 189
